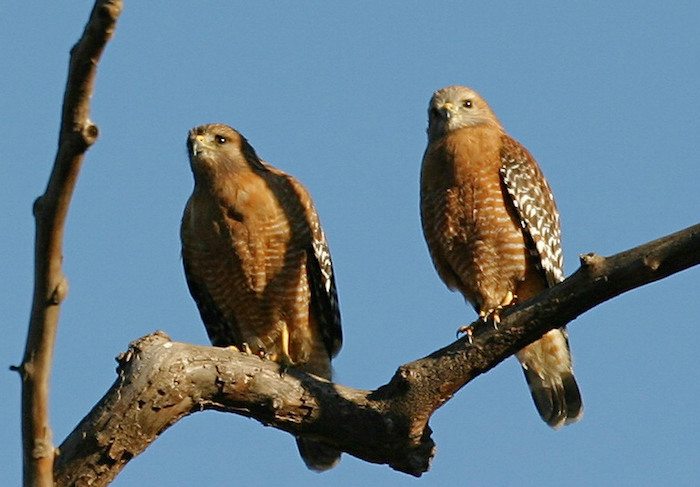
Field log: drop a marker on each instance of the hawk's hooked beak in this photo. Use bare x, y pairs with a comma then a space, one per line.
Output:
197, 143
447, 110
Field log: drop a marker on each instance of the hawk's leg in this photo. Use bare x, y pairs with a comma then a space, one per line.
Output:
283, 358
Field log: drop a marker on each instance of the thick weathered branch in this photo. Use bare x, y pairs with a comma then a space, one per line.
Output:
162, 381
50, 285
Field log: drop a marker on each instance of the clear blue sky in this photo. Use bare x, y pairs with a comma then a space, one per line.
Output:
604, 96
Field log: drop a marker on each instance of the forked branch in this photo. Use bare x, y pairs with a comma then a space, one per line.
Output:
161, 381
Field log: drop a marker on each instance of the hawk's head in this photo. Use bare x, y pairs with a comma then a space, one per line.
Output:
457, 107
216, 148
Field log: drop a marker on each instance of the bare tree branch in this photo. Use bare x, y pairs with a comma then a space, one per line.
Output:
161, 381
77, 134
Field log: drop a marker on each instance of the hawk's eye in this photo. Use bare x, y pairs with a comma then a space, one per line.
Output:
220, 139
467, 103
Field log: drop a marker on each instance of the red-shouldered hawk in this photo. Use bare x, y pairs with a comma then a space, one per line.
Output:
257, 262
493, 232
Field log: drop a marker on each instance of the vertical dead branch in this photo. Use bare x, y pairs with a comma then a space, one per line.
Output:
77, 134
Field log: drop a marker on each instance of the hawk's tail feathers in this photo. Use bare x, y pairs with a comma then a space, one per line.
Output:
547, 367
558, 400
317, 456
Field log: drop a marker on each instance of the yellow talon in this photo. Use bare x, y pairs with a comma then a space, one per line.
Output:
467, 330
245, 348
494, 315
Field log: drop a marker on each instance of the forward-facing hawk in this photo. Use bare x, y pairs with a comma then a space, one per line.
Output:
257, 262
493, 232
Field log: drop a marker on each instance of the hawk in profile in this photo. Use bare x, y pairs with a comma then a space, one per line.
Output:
493, 232
257, 262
